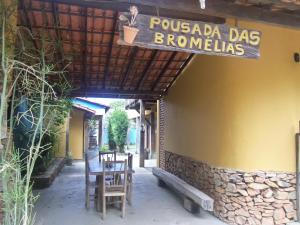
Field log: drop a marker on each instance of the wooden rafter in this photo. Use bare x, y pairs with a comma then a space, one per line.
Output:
27, 22
92, 49
146, 70
111, 43
183, 66
129, 66
163, 70
70, 27
56, 22
99, 58
85, 49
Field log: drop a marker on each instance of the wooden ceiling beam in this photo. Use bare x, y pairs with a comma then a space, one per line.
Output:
60, 12
96, 92
73, 30
215, 9
279, 3
148, 9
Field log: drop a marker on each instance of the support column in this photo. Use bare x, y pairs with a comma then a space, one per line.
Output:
86, 136
68, 137
138, 127
142, 134
100, 131
152, 135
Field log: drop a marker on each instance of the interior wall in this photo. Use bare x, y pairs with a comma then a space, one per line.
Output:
60, 148
76, 134
239, 113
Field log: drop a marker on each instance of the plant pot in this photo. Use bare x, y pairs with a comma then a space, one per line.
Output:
130, 34
69, 161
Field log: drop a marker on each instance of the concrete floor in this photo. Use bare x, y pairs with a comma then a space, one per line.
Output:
63, 204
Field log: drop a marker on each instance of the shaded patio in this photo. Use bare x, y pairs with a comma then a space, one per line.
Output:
63, 203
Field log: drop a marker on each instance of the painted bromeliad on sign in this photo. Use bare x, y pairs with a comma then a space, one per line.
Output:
189, 36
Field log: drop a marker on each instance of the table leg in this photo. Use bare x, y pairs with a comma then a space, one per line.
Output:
99, 200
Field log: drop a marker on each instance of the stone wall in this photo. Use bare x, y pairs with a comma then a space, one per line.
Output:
253, 198
162, 113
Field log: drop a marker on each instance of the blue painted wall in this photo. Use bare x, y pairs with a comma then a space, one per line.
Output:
131, 137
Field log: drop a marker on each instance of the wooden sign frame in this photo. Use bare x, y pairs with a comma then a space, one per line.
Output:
192, 37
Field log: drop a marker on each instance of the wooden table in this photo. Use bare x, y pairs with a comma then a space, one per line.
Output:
96, 168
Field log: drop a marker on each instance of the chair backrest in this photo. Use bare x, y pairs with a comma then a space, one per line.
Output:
89, 155
130, 158
117, 172
107, 156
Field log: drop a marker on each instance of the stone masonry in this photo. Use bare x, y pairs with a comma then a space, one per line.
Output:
251, 198
162, 113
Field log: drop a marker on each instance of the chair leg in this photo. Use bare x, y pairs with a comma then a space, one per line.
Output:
129, 191
103, 207
128, 195
99, 193
87, 197
99, 199
123, 206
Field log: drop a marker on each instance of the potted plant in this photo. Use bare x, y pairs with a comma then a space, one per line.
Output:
69, 159
130, 31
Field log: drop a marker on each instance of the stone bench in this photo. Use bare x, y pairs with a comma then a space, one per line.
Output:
193, 198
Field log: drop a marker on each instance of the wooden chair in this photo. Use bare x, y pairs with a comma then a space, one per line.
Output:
129, 179
115, 188
90, 184
107, 156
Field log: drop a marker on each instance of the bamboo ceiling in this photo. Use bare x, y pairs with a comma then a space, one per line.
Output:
99, 66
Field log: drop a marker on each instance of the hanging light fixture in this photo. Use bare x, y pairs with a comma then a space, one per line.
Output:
202, 4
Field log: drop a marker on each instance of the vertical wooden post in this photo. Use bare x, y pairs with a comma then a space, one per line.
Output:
297, 140
158, 133
142, 134
68, 136
100, 131
86, 136
152, 134
138, 127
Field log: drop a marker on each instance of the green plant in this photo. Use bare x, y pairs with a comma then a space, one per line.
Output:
35, 111
104, 148
111, 142
118, 123
69, 159
92, 125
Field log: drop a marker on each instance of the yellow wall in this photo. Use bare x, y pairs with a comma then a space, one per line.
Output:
76, 134
239, 113
60, 148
